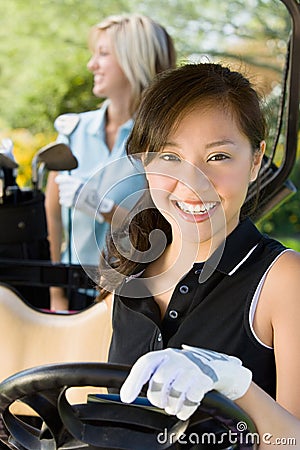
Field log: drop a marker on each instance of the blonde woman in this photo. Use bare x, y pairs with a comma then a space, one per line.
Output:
127, 52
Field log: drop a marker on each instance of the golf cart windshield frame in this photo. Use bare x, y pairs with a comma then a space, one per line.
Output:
275, 185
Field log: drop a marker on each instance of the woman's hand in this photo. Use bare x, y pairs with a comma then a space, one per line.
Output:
73, 192
179, 379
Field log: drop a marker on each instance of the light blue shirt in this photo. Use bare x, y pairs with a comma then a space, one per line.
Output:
113, 173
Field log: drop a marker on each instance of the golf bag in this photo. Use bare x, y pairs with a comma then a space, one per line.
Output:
23, 236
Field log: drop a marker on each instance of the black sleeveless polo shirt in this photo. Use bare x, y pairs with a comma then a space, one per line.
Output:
213, 314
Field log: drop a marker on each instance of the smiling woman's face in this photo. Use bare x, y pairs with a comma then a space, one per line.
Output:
109, 78
200, 179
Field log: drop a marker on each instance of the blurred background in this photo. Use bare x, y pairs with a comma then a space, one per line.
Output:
43, 57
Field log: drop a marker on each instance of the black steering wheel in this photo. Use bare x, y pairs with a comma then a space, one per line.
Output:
110, 424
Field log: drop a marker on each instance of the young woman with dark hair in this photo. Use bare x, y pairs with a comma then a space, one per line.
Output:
191, 271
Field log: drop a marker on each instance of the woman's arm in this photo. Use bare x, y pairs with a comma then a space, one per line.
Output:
286, 325
178, 380
55, 231
277, 428
280, 299
54, 221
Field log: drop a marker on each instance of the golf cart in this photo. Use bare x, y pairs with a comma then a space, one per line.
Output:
103, 422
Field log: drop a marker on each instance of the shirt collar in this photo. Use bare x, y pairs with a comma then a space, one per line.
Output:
236, 249
230, 255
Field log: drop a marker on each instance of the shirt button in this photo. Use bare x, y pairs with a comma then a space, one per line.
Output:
173, 314
159, 337
184, 289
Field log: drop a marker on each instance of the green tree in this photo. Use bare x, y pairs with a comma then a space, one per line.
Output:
43, 47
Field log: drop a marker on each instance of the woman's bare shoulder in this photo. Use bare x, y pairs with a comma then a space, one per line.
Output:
282, 285
288, 265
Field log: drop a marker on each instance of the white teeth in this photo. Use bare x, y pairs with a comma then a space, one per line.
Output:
196, 209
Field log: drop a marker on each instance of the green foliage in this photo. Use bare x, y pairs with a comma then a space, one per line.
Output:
289, 242
285, 221
43, 62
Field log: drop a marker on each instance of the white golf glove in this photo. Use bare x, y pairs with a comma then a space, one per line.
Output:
73, 192
179, 379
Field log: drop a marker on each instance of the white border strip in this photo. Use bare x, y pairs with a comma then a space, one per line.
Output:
242, 261
256, 297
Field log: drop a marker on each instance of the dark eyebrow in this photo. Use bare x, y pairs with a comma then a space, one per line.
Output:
219, 143
170, 144
207, 146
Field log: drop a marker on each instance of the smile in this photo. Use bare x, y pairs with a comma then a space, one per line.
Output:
98, 78
189, 208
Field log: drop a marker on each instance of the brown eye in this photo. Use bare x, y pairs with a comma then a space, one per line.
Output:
218, 157
169, 157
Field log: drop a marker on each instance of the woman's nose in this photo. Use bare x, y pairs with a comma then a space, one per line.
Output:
92, 63
193, 179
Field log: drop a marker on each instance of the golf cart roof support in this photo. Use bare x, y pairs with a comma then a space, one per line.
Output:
274, 183
293, 7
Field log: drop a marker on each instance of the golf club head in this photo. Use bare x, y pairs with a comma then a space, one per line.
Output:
56, 156
7, 162
7, 159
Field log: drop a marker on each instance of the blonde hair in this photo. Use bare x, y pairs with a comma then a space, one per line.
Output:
143, 48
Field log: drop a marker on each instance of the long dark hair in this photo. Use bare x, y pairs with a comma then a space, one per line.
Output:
171, 96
